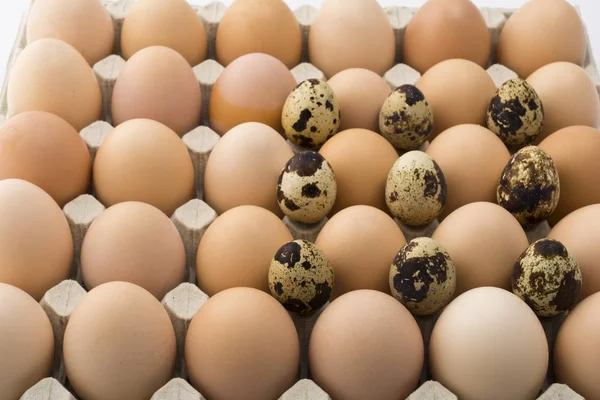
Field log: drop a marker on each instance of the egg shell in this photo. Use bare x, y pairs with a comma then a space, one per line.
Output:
300, 277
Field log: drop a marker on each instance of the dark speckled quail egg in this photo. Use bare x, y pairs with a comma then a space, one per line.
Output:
547, 277
529, 186
406, 119
516, 113
423, 277
306, 189
416, 189
300, 277
311, 114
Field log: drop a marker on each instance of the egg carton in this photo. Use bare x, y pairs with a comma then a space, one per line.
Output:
193, 218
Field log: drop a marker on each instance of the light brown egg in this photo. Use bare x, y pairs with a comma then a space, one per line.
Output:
472, 159
242, 344
574, 151
360, 242
458, 91
47, 70
443, 30
133, 242
85, 24
169, 23
119, 344
484, 241
143, 160
259, 26
45, 150
361, 160
253, 88
539, 33
244, 168
237, 249
360, 94
366, 345
569, 97
26, 342
35, 239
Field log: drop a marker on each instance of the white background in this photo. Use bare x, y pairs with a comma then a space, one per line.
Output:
11, 12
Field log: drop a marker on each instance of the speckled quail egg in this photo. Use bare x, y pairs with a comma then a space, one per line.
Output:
406, 119
529, 186
516, 113
547, 277
423, 277
311, 114
300, 277
416, 189
306, 189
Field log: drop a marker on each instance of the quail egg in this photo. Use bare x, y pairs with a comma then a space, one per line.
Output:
516, 113
300, 277
529, 186
547, 277
306, 190
406, 119
423, 277
416, 189
311, 114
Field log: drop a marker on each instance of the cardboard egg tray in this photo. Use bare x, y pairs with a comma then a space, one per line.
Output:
193, 218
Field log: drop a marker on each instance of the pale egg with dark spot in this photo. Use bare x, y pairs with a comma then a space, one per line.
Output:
311, 114
300, 277
547, 277
306, 190
423, 277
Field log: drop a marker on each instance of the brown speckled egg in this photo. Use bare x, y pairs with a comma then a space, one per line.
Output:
300, 277
415, 191
516, 113
306, 189
423, 277
311, 114
406, 119
547, 277
529, 186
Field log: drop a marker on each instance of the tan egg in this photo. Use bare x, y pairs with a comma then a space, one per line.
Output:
443, 30
472, 159
539, 33
133, 242
361, 94
574, 151
484, 241
26, 342
253, 88
569, 97
366, 345
43, 73
119, 344
169, 23
35, 239
45, 150
259, 26
476, 354
361, 160
143, 160
243, 168
360, 242
86, 25
459, 92
258, 338
237, 249
157, 83
351, 34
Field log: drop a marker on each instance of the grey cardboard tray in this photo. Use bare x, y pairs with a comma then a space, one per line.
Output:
193, 218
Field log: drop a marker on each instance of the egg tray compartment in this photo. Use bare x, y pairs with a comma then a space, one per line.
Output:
193, 218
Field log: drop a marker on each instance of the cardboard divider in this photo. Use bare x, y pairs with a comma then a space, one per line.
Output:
302, 231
